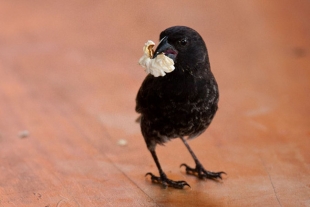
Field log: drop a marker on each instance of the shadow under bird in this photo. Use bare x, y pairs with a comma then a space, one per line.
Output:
180, 104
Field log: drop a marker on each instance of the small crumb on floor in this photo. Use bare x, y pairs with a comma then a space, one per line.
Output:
122, 142
23, 134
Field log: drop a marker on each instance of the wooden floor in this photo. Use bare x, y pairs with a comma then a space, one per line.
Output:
68, 80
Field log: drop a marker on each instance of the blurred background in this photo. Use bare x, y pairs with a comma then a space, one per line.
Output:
69, 75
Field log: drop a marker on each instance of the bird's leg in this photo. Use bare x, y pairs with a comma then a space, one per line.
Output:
199, 169
162, 178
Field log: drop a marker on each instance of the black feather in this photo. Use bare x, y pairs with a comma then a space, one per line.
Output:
181, 103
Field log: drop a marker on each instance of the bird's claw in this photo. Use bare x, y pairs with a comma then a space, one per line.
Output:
167, 182
201, 173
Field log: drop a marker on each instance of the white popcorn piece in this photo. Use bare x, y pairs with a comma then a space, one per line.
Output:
158, 66
148, 48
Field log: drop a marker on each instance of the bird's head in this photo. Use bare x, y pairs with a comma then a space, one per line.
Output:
184, 45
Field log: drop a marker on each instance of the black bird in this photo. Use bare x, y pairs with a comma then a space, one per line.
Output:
180, 104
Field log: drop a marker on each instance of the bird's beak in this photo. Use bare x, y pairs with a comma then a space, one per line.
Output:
166, 48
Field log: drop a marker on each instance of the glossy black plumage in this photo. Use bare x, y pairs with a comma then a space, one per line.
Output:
182, 103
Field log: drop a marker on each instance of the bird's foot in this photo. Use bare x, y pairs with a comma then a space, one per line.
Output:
201, 173
167, 182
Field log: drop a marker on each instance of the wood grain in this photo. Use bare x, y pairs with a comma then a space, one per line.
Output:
68, 81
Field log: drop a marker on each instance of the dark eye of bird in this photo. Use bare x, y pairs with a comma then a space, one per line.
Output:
183, 42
